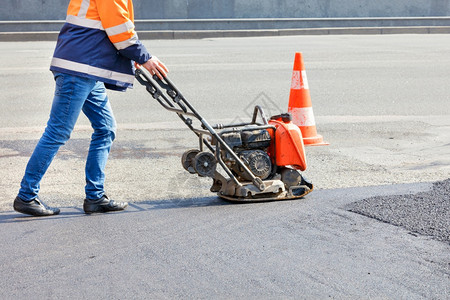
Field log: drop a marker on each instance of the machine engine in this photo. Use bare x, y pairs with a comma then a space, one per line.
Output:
263, 162
251, 145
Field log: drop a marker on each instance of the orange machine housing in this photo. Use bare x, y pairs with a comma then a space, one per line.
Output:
288, 148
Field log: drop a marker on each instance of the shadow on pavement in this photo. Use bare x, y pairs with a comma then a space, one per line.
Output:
178, 203
13, 217
75, 212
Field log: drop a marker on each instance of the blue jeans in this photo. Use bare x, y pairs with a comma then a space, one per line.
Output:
73, 94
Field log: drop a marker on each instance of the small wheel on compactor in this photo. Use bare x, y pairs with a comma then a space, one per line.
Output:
187, 160
205, 164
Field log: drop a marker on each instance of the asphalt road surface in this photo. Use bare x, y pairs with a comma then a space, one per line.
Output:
381, 102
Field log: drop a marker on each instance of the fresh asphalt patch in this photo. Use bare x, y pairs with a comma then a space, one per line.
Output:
425, 213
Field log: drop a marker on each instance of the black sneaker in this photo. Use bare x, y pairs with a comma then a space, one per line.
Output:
34, 207
102, 205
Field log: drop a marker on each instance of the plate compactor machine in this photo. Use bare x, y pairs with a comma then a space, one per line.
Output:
262, 159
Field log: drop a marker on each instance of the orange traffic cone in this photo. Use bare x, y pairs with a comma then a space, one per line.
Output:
300, 105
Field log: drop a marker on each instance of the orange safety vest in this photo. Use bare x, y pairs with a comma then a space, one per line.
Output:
99, 41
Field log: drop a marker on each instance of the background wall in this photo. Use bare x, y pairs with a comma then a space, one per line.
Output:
198, 9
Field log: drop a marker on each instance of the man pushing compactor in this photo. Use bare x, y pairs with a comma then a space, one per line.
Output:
260, 160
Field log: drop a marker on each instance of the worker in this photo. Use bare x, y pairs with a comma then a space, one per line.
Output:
95, 51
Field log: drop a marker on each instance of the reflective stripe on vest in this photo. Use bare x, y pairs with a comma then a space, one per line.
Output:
116, 34
75, 20
84, 8
118, 29
127, 43
87, 69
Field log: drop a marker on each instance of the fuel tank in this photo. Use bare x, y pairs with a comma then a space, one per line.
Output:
287, 148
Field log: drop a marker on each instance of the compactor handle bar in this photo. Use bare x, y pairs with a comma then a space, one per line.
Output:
185, 110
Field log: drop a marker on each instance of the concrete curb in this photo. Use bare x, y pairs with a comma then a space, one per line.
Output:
241, 23
201, 34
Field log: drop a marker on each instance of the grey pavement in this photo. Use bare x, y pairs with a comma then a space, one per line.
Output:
205, 248
381, 102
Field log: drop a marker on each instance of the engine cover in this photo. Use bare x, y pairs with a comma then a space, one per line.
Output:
248, 138
255, 139
257, 161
